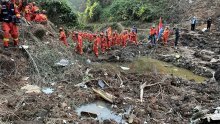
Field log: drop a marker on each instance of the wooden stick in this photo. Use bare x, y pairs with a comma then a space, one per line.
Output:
121, 84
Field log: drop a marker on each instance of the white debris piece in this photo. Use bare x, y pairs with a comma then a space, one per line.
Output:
24, 47
125, 68
31, 89
214, 117
47, 90
24, 78
63, 62
214, 60
204, 29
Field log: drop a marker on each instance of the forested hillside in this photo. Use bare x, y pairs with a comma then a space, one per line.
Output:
172, 11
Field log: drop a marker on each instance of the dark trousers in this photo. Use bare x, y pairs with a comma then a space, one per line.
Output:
176, 41
193, 27
153, 39
208, 26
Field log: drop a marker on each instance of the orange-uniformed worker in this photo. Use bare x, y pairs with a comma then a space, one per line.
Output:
96, 44
166, 34
109, 41
10, 17
79, 46
133, 37
153, 35
118, 39
103, 42
41, 17
34, 10
63, 36
27, 12
114, 38
19, 4
125, 37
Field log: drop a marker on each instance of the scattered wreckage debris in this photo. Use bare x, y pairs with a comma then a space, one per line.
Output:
205, 116
110, 98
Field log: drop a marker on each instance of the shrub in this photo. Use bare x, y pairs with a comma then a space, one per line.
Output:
60, 13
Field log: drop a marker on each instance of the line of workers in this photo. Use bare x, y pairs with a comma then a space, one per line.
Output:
11, 12
103, 40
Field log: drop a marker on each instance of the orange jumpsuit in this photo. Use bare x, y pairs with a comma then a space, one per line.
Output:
40, 18
109, 42
118, 39
63, 38
10, 17
124, 39
28, 13
103, 44
74, 37
114, 37
133, 37
34, 9
91, 37
79, 46
152, 31
18, 3
96, 46
166, 34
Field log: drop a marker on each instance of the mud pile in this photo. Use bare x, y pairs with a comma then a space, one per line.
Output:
166, 99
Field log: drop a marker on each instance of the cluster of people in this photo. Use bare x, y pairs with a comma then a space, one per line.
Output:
10, 16
162, 35
194, 22
33, 13
12, 10
101, 41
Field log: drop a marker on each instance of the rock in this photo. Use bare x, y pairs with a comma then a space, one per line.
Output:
63, 105
131, 118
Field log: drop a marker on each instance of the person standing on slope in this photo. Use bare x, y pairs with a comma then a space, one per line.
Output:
193, 23
153, 35
79, 46
177, 36
63, 36
134, 29
166, 34
209, 23
96, 44
41, 17
10, 17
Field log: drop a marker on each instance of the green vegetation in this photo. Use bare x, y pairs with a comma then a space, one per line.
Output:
78, 13
123, 10
59, 12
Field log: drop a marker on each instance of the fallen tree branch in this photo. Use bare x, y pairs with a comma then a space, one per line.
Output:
121, 81
150, 85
